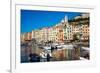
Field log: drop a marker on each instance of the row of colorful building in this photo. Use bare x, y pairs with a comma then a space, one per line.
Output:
61, 32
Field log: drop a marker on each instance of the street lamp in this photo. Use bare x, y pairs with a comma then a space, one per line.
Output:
80, 34
65, 34
34, 45
80, 30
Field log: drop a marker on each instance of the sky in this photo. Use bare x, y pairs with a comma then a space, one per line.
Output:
33, 19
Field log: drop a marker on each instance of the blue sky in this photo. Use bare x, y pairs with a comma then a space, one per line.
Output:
32, 19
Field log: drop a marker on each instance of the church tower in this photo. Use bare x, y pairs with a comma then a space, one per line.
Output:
64, 21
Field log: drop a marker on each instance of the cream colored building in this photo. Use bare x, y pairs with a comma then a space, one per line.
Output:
22, 38
50, 34
61, 32
67, 29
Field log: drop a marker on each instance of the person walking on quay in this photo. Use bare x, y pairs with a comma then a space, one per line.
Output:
52, 48
48, 57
